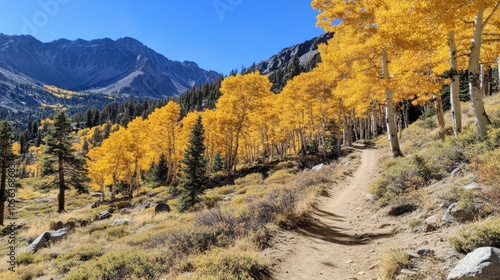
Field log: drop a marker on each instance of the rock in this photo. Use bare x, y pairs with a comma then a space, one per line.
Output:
124, 211
118, 222
84, 223
425, 252
70, 225
318, 167
103, 215
227, 198
455, 213
96, 194
146, 205
95, 204
162, 207
456, 171
402, 209
474, 187
43, 239
431, 223
370, 197
58, 225
481, 264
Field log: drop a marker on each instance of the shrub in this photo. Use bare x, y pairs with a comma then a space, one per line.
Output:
250, 179
117, 265
225, 264
25, 258
477, 235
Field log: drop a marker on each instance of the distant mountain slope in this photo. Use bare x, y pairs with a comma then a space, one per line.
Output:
291, 61
305, 51
121, 67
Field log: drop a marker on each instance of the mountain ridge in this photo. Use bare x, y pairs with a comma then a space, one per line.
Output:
122, 66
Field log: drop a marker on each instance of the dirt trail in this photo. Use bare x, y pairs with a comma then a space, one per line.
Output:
344, 240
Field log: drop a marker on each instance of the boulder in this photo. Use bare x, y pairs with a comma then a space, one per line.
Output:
227, 198
103, 215
474, 187
43, 239
318, 167
481, 264
96, 194
58, 225
146, 205
118, 222
95, 204
162, 207
454, 213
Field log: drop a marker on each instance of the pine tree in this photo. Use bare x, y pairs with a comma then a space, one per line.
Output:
218, 163
161, 170
193, 168
60, 160
6, 157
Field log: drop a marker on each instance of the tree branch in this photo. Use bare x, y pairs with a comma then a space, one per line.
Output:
490, 15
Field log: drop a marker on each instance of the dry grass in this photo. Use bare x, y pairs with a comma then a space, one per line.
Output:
392, 262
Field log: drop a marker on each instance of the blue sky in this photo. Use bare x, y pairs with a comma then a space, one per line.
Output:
217, 34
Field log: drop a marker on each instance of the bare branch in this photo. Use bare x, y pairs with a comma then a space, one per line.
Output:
490, 15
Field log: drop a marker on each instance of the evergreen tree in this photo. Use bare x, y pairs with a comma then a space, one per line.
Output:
60, 160
193, 168
218, 163
6, 157
161, 170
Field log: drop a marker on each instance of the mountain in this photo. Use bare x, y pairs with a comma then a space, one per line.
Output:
120, 69
291, 61
306, 52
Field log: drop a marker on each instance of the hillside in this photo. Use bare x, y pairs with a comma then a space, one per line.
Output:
273, 219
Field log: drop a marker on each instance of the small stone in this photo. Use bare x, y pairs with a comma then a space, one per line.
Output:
425, 252
349, 261
118, 222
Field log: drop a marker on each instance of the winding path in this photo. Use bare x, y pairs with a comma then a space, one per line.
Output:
342, 242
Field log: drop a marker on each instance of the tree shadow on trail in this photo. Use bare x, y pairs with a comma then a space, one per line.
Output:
334, 234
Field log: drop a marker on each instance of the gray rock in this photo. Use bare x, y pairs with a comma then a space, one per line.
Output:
118, 222
103, 215
124, 211
43, 239
370, 197
162, 207
456, 214
96, 194
474, 187
227, 198
481, 264
318, 167
146, 205
95, 204
456, 171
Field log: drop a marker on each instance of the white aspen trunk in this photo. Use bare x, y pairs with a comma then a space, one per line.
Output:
392, 132
476, 96
456, 109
